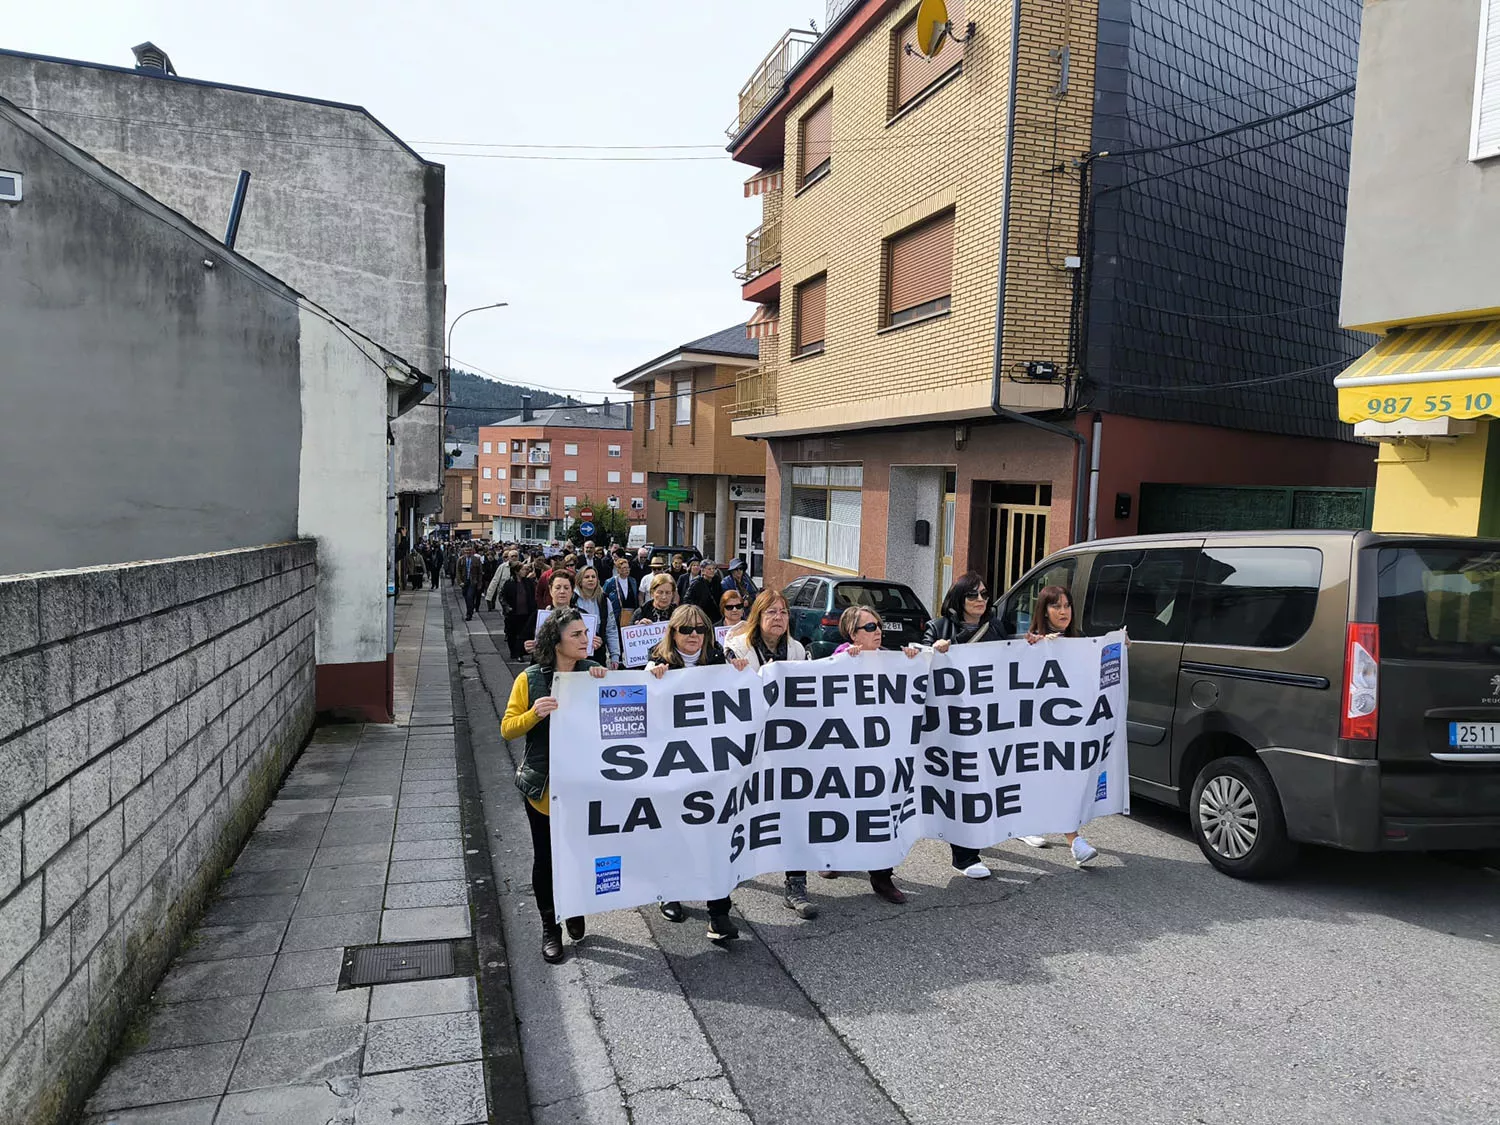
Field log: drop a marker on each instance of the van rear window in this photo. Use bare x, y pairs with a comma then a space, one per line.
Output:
1255, 597
1439, 603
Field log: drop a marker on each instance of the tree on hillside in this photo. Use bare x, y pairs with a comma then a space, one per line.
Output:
475, 401
610, 524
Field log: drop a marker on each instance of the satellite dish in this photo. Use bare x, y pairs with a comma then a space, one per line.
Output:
932, 26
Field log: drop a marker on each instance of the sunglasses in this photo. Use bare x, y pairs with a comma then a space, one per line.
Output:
691, 630
733, 605
868, 627
980, 596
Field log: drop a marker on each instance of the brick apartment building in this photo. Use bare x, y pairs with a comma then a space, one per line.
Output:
460, 514
536, 467
707, 488
945, 352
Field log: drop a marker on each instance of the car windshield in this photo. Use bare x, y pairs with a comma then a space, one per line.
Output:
1440, 603
879, 597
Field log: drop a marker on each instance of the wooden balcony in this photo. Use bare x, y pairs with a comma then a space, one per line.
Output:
762, 251
755, 391
766, 81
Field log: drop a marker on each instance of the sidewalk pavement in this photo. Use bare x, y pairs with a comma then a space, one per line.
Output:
363, 844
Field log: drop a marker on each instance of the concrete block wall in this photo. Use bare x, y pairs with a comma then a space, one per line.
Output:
147, 715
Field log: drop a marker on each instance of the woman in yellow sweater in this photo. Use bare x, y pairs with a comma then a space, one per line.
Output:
561, 646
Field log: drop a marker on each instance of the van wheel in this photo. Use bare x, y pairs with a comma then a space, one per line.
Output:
1237, 819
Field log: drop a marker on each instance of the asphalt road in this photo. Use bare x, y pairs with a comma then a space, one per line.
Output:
1147, 989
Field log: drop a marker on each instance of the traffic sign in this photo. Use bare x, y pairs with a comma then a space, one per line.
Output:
585, 528
586, 514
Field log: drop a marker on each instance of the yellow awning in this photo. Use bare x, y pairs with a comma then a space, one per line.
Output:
1447, 371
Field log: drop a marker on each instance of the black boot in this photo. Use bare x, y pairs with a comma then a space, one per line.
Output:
552, 946
673, 912
575, 928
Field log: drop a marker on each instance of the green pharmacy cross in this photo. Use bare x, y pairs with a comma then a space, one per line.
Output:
674, 495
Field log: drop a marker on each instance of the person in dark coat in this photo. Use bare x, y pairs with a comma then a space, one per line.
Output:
704, 591
518, 596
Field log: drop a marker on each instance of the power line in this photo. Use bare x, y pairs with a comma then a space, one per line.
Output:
1259, 122
1190, 387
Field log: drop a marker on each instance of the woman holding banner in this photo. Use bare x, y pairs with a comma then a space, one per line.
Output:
964, 618
689, 643
862, 629
561, 645
1053, 617
559, 591
591, 599
765, 639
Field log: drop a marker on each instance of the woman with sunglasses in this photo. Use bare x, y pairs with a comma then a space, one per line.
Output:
561, 645
862, 629
965, 618
764, 639
732, 610
1053, 617
689, 643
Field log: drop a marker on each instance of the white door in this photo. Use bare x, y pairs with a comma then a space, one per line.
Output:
700, 530
750, 541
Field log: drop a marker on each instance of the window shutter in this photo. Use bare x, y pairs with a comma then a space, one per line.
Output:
920, 268
811, 299
914, 73
817, 138
1485, 142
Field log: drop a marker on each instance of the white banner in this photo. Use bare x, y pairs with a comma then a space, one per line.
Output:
683, 787
588, 619
639, 640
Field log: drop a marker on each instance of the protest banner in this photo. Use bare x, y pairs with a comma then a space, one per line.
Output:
588, 619
681, 788
639, 640
721, 634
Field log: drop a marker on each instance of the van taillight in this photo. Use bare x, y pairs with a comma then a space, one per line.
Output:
1361, 715
830, 620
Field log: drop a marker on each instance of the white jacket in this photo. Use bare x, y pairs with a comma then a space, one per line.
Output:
738, 644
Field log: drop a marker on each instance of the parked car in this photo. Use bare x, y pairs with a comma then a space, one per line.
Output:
1302, 687
818, 603
665, 552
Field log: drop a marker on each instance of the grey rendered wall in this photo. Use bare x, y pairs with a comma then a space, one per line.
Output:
154, 406
337, 208
147, 715
1424, 222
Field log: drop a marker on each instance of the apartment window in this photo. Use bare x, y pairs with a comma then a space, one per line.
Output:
682, 395
919, 271
614, 478
637, 503
570, 449
817, 143
487, 447
637, 478
915, 74
614, 501
570, 501
542, 476
485, 497
650, 412
810, 302
825, 514
487, 472
570, 474
614, 451
500, 474
1485, 141
499, 501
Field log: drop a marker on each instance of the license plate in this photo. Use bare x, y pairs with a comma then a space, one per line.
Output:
1475, 736
893, 627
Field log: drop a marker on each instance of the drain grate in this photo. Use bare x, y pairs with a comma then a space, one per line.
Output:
418, 960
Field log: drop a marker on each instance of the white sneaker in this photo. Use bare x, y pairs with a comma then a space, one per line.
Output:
1084, 853
976, 870
1034, 841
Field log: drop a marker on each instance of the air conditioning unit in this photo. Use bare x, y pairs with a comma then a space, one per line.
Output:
10, 187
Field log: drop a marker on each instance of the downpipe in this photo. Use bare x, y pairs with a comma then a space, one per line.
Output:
1094, 440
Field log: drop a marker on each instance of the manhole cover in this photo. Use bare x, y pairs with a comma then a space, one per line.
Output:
420, 960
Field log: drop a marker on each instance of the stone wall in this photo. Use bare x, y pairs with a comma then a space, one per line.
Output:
147, 714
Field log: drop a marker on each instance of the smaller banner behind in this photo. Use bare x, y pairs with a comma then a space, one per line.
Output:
683, 787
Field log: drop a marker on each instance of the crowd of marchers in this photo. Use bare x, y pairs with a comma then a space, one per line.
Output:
591, 594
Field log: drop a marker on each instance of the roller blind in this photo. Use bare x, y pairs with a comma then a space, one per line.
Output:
817, 139
810, 305
920, 267
914, 73
1486, 134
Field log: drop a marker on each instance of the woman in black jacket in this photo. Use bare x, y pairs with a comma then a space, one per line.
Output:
690, 643
965, 618
518, 595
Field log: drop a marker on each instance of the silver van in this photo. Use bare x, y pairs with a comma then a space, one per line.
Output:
1301, 687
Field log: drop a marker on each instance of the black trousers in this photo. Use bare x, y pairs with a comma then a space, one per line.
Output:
514, 640
963, 857
472, 594
541, 862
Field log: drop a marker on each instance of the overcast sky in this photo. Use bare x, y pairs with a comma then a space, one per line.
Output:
605, 263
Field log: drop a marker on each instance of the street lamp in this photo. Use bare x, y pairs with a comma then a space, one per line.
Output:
448, 354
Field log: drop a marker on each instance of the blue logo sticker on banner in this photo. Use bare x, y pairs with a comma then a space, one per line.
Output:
1101, 791
606, 874
1109, 666
622, 712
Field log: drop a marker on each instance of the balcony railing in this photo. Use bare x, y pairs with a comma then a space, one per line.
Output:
762, 250
755, 391
539, 510
540, 457
539, 485
766, 81
518, 458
